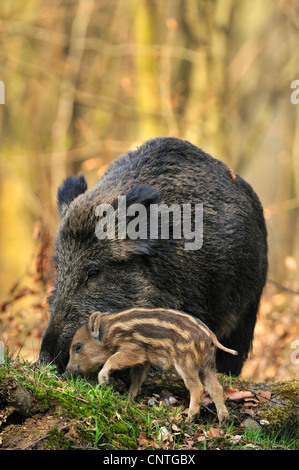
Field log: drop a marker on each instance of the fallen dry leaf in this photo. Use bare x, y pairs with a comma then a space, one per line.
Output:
249, 404
144, 440
234, 394
235, 439
251, 400
263, 395
190, 445
159, 422
232, 173
152, 401
164, 434
200, 431
248, 411
215, 432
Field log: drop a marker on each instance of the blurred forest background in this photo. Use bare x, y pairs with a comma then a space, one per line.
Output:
87, 80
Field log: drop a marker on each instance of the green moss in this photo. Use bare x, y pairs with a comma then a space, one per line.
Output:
283, 413
57, 441
3, 373
102, 418
278, 417
120, 427
289, 391
126, 442
122, 431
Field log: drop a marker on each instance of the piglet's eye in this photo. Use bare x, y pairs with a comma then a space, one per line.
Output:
78, 347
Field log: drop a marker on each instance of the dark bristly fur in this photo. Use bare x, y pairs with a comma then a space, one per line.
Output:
138, 338
221, 283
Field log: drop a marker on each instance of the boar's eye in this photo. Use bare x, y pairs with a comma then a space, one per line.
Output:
93, 273
78, 347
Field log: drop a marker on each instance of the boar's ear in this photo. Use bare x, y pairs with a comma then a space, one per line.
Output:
71, 188
143, 194
137, 220
93, 324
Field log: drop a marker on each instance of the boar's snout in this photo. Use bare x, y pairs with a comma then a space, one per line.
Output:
42, 360
58, 336
52, 352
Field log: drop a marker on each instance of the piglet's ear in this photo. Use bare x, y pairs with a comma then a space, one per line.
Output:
71, 188
93, 324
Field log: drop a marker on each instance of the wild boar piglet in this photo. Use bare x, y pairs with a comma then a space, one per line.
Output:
140, 337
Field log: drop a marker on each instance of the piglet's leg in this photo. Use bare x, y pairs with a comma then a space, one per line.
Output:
138, 374
194, 386
196, 389
216, 391
120, 360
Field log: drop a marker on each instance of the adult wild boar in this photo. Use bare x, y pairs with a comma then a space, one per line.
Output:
220, 282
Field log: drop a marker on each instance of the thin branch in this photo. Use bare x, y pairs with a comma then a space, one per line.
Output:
271, 399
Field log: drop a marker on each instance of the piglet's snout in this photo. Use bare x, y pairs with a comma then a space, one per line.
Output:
73, 370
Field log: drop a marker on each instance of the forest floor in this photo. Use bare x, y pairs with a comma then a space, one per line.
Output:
40, 410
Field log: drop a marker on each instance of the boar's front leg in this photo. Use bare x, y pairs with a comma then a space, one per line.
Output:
126, 357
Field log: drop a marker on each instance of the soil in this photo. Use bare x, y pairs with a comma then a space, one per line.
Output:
25, 425
31, 433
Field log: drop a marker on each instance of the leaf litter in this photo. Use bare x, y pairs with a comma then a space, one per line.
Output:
175, 433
